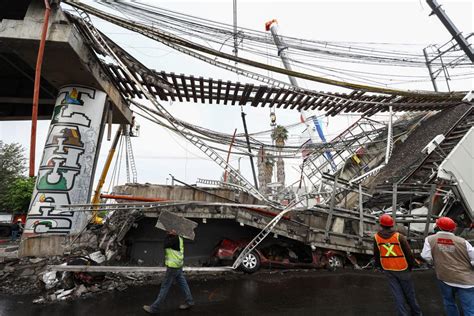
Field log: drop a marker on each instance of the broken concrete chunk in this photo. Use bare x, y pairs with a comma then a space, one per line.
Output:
27, 272
64, 294
97, 257
81, 289
121, 287
109, 254
37, 260
50, 280
183, 227
39, 300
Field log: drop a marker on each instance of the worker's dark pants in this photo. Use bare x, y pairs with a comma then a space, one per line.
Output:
15, 234
171, 276
465, 296
403, 290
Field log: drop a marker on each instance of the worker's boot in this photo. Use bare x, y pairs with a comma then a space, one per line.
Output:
149, 310
185, 306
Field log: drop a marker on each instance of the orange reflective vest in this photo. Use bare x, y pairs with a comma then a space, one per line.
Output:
391, 254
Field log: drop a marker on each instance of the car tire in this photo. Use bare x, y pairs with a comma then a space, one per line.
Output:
335, 262
250, 263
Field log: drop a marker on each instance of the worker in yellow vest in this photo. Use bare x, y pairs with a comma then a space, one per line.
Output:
393, 255
174, 261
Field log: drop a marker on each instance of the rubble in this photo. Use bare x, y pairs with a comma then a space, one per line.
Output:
98, 245
32, 276
408, 153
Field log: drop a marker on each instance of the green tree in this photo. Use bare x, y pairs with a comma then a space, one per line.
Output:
18, 195
12, 167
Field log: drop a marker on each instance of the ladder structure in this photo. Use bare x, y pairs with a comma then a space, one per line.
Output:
178, 127
261, 236
355, 137
130, 159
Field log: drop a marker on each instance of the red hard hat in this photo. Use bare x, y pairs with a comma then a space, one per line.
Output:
386, 220
446, 223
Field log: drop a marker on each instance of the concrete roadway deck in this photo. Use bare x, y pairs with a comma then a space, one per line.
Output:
265, 293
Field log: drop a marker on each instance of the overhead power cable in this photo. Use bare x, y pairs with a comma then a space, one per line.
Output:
216, 31
155, 33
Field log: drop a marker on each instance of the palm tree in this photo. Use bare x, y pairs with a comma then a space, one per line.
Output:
268, 165
280, 135
265, 171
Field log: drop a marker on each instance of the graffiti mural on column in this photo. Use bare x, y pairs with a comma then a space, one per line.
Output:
67, 166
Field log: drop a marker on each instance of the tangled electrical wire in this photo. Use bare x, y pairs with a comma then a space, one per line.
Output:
308, 54
240, 146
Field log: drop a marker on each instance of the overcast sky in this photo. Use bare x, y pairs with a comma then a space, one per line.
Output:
158, 152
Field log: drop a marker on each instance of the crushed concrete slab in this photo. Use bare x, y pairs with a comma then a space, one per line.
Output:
183, 227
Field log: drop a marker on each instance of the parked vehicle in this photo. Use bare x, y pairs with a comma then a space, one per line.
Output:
6, 218
5, 231
9, 223
277, 253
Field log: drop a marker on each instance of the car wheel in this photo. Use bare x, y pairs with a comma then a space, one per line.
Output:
250, 263
335, 262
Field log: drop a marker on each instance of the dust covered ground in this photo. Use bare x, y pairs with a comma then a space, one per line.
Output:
316, 292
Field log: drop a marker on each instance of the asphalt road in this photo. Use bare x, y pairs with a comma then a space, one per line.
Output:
268, 293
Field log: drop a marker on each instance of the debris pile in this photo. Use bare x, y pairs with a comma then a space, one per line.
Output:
97, 245
33, 276
21, 276
408, 154
60, 286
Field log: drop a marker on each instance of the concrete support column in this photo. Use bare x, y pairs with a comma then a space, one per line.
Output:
67, 168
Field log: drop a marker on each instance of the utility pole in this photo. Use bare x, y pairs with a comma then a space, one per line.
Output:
272, 26
457, 35
236, 44
428, 64
250, 150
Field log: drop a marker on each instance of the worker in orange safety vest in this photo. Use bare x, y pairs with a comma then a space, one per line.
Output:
393, 255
